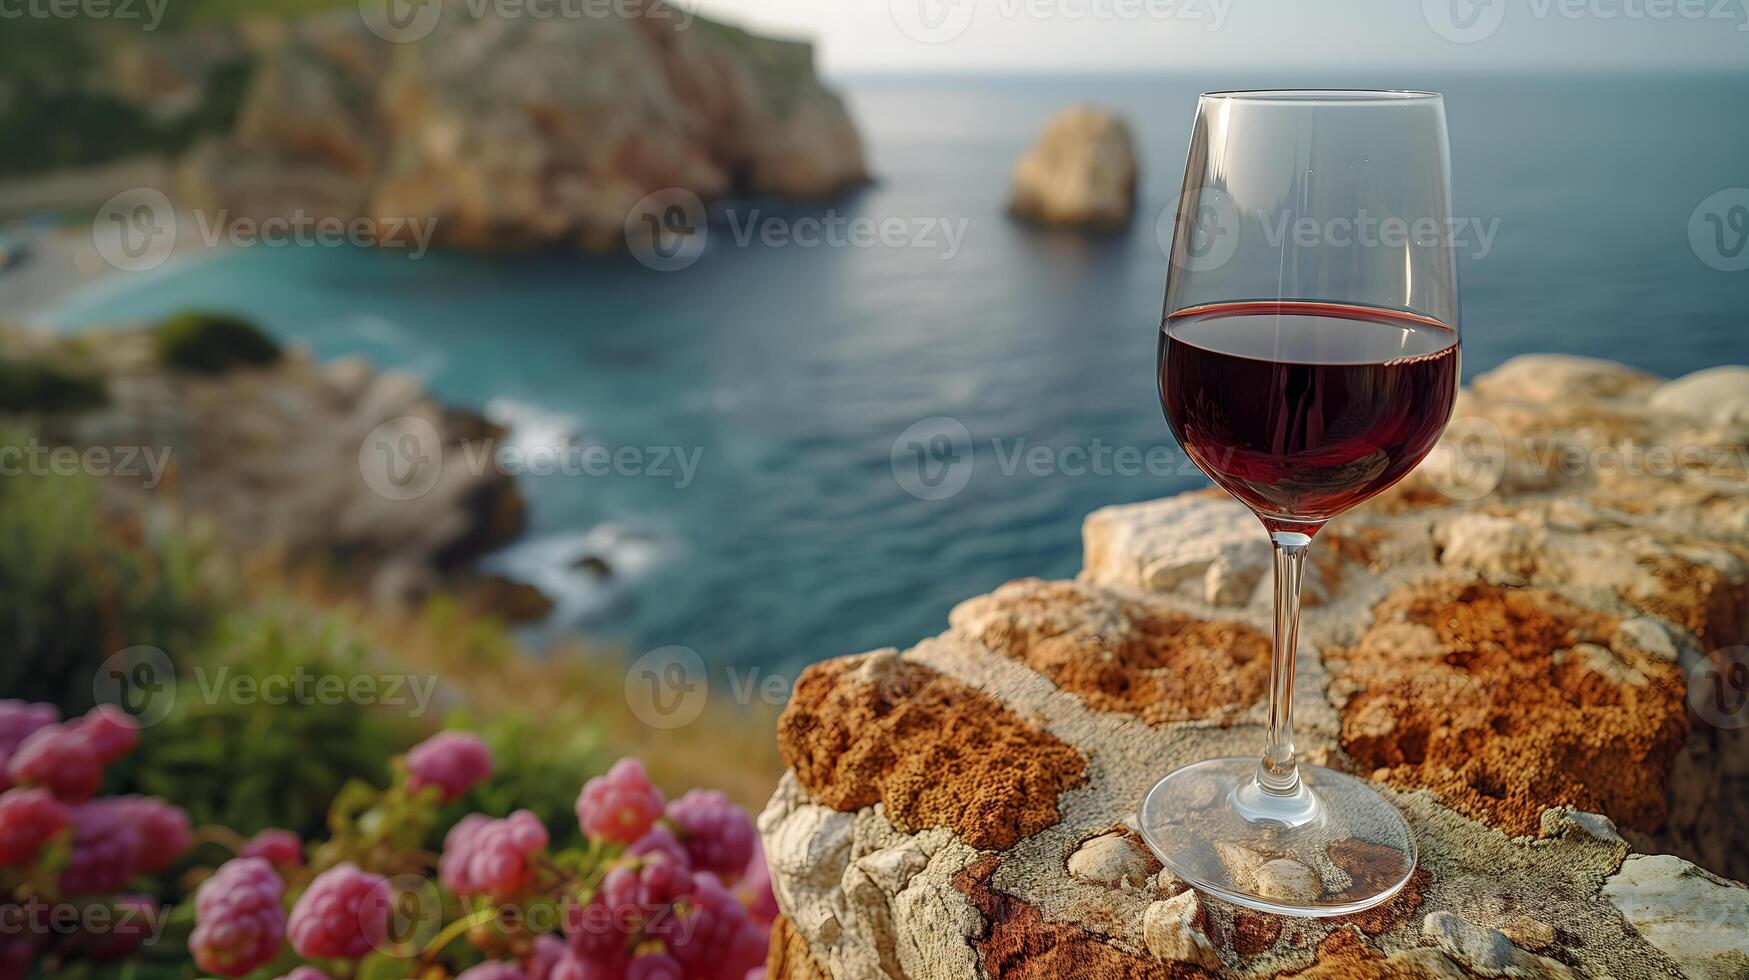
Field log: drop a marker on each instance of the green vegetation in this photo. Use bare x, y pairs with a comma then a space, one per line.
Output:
272, 714
212, 343
75, 588
47, 387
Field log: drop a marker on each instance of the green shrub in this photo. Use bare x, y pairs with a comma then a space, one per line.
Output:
46, 387
74, 589
267, 724
535, 767
212, 343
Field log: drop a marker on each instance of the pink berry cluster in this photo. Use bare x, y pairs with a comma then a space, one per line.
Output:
494, 858
666, 911
451, 761
240, 921
67, 758
54, 769
50, 772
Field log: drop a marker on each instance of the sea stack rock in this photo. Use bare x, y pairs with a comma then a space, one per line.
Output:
1080, 174
1528, 645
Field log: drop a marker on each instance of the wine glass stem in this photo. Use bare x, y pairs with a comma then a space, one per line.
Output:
1279, 774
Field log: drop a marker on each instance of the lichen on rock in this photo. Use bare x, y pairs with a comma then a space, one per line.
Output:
1515, 667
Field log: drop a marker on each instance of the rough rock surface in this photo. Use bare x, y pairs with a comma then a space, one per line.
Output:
1527, 644
280, 459
516, 132
1081, 172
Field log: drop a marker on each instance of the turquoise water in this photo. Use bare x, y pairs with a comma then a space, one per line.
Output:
790, 371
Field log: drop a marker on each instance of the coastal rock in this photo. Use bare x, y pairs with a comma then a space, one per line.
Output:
1512, 669
515, 132
1700, 920
1081, 173
305, 461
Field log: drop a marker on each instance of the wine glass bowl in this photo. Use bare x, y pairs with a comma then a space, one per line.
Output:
1308, 360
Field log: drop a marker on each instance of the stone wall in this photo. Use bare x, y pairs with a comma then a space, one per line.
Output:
1528, 644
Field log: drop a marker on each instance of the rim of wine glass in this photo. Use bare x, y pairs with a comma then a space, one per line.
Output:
1342, 95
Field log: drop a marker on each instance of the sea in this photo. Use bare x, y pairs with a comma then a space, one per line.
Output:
817, 439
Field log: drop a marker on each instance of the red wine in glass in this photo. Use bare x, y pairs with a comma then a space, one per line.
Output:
1303, 410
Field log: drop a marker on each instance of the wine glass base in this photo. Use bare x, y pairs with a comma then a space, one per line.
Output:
1336, 848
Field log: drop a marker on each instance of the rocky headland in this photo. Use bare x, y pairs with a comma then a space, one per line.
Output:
503, 130
1531, 645
281, 457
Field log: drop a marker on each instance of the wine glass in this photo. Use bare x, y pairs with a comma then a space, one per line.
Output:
1308, 360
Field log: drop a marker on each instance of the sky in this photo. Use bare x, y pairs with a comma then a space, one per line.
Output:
1128, 35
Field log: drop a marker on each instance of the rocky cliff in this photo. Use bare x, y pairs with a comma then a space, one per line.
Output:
506, 129
1533, 645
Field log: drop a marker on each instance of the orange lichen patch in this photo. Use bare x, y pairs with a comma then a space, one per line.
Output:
1254, 933
881, 729
788, 958
1508, 701
1400, 909
1344, 955
1018, 944
1700, 597
1122, 655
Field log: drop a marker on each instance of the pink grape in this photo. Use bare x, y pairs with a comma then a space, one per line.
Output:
620, 806
717, 938
59, 759
495, 858
110, 731
28, 818
107, 847
719, 835
239, 921
451, 761
281, 848
344, 913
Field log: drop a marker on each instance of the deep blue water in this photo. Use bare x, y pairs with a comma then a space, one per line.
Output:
792, 370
